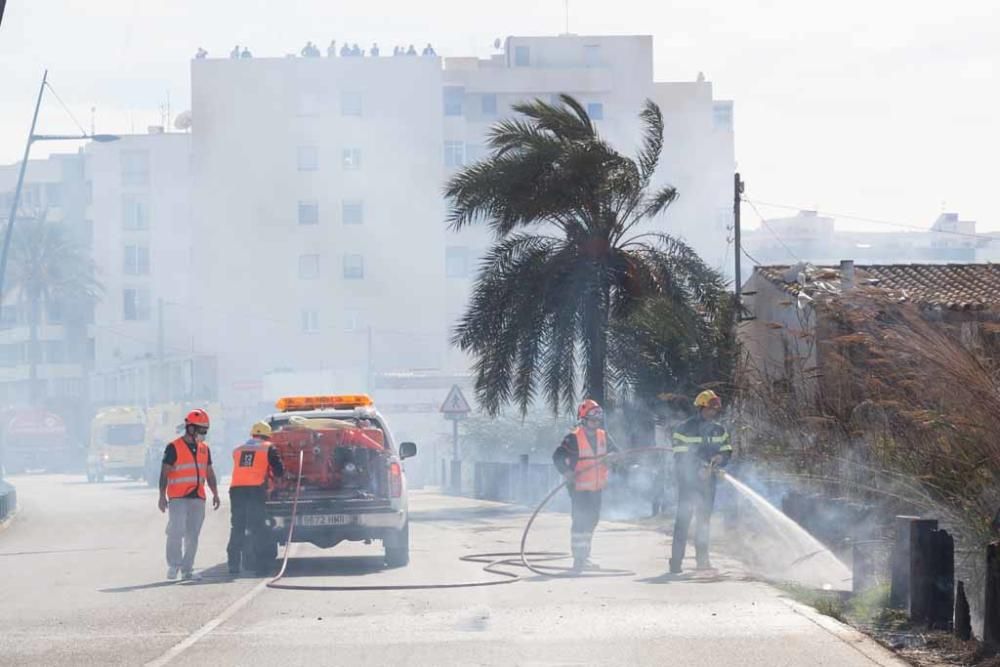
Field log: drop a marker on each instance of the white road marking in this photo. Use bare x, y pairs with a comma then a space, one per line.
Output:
195, 636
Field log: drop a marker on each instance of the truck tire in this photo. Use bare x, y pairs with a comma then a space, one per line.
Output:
397, 548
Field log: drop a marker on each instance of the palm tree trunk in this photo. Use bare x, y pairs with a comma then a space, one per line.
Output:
34, 315
596, 331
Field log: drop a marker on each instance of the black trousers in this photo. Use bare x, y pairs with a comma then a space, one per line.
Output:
694, 496
248, 535
586, 512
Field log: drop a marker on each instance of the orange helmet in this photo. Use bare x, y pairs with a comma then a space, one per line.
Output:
586, 407
197, 418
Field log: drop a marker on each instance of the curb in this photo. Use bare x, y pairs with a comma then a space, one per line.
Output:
860, 642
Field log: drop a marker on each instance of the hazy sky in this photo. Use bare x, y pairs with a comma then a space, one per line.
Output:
885, 109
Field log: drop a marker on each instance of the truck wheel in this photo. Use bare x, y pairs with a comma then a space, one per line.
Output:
397, 548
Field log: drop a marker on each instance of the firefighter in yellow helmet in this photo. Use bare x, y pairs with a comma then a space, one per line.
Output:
701, 446
253, 463
581, 459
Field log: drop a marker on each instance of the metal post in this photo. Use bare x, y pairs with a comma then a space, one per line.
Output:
454, 440
13, 215
161, 375
738, 278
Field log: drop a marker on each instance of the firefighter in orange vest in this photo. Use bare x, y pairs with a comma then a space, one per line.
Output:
186, 466
581, 460
254, 462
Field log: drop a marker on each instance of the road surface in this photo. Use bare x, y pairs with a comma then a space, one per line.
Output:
83, 583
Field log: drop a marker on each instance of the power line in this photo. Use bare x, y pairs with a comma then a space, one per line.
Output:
65, 107
773, 233
874, 221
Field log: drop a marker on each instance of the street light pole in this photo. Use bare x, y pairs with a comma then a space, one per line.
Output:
17, 190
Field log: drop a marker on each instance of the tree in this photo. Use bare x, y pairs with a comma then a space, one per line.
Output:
567, 262
48, 267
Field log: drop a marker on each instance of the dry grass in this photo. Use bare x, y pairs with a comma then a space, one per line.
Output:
903, 410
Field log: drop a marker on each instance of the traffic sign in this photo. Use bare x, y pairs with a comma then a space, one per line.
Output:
455, 404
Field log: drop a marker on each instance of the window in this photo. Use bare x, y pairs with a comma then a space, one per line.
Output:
308, 213
454, 153
53, 194
489, 101
456, 262
351, 158
308, 104
350, 104
595, 110
8, 316
722, 115
591, 55
353, 211
522, 56
351, 319
136, 260
135, 167
135, 212
354, 267
136, 304
454, 97
54, 352
308, 158
310, 321
308, 267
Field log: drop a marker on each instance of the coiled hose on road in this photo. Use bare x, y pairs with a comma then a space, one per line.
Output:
534, 561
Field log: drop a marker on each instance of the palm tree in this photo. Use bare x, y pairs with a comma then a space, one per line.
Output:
48, 267
567, 261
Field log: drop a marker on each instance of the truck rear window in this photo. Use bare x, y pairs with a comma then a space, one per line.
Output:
125, 434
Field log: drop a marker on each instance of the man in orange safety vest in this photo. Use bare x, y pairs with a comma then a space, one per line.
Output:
581, 458
254, 462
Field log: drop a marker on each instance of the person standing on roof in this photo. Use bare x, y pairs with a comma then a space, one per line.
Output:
701, 447
186, 466
581, 459
254, 463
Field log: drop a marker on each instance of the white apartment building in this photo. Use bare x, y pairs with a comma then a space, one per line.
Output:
142, 244
317, 194
54, 189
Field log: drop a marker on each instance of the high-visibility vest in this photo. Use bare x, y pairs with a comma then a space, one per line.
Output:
189, 470
591, 469
250, 463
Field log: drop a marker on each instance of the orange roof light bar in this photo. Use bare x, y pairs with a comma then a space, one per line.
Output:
335, 402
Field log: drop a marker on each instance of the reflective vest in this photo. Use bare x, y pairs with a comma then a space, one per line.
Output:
188, 472
250, 463
591, 471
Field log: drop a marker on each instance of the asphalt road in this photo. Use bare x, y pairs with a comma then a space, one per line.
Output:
83, 583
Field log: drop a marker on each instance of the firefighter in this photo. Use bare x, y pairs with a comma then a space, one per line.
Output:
254, 462
701, 447
186, 466
581, 460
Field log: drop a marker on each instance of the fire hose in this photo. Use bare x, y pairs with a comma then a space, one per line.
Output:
534, 561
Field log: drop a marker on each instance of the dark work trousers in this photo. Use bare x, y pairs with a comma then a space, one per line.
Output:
697, 496
248, 535
586, 512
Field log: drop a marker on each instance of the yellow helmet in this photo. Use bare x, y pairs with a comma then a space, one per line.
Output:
708, 399
260, 430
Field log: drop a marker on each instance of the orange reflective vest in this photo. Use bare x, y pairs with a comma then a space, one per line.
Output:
250, 463
591, 471
188, 472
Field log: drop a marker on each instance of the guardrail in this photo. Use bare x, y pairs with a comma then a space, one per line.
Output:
8, 499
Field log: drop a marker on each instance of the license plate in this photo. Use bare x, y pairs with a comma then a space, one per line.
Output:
323, 520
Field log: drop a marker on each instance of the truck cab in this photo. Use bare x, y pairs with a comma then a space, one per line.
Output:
117, 443
353, 482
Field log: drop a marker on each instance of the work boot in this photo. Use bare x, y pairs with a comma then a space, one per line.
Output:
675, 567
172, 572
704, 564
190, 576
578, 565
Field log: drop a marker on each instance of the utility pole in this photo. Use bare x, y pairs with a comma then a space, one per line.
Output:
737, 247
